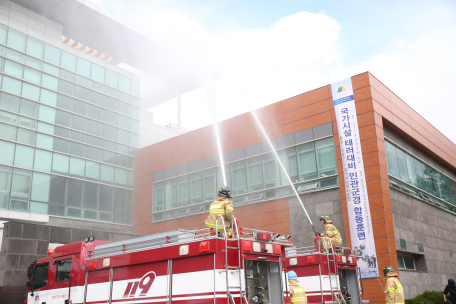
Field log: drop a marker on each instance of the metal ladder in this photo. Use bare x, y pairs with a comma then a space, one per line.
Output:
234, 226
335, 292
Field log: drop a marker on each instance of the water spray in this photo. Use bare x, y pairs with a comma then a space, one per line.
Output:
219, 147
211, 97
262, 131
255, 116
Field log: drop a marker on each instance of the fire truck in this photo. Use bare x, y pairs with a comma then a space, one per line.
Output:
189, 266
328, 275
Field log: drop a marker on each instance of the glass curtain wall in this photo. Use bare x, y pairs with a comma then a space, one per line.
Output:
68, 132
412, 171
311, 166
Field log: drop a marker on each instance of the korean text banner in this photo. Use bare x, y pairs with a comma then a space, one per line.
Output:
362, 236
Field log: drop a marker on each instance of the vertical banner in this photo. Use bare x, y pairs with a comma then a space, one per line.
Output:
362, 236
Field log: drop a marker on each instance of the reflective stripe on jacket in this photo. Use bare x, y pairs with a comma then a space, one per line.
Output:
221, 206
394, 293
332, 232
297, 293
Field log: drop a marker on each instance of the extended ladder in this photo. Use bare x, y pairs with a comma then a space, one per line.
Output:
234, 226
335, 292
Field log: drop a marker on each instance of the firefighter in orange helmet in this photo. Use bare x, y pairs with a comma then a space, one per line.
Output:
331, 233
221, 206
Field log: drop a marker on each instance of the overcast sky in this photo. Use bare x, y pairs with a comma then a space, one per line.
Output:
272, 50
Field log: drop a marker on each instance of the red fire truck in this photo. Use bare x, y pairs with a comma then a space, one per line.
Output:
173, 266
328, 276
185, 266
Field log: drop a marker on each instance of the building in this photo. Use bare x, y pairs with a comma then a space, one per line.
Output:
70, 124
410, 171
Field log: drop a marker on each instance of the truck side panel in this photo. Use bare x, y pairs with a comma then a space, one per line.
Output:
98, 286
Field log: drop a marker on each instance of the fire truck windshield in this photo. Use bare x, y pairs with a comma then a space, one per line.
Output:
40, 275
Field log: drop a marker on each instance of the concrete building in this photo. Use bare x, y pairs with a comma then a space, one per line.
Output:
70, 124
410, 170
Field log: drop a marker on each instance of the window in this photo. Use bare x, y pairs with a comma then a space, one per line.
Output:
326, 157
7, 152
9, 102
109, 132
107, 173
77, 166
68, 61
32, 75
40, 187
50, 82
420, 247
47, 114
81, 93
450, 253
109, 117
406, 262
90, 199
403, 244
12, 85
111, 78
83, 67
33, 62
24, 156
74, 193
51, 69
98, 73
35, 47
63, 270
43, 160
40, 276
48, 97
51, 54
14, 55
16, 40
8, 132
29, 108
124, 84
66, 87
92, 170
30, 91
27, 122
239, 178
60, 163
411, 170
20, 186
63, 118
3, 34
57, 194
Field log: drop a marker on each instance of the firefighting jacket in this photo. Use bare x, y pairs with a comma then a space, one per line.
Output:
297, 293
394, 294
332, 232
221, 206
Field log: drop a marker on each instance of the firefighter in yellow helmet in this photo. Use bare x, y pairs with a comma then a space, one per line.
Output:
221, 206
394, 294
331, 233
297, 293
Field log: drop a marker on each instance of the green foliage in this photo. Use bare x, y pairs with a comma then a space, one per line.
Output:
428, 297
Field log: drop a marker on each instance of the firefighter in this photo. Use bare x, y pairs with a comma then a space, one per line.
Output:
221, 206
331, 233
297, 293
394, 294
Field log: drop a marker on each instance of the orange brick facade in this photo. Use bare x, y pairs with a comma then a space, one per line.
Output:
376, 106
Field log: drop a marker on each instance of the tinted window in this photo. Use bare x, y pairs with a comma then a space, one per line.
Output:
63, 270
41, 274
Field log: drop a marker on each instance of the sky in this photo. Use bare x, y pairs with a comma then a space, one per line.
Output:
272, 50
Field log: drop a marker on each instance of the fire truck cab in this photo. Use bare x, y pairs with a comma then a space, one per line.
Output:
174, 266
328, 276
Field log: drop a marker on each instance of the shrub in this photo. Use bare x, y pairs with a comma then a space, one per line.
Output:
428, 297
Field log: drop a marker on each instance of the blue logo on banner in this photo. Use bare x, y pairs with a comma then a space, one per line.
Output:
343, 99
